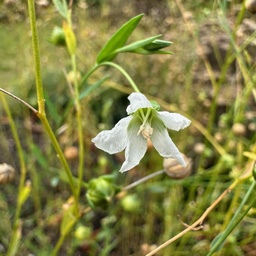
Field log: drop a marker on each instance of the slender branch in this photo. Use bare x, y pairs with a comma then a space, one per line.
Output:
19, 99
199, 221
136, 183
127, 76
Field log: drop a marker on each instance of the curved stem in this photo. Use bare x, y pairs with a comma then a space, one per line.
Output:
116, 66
19, 99
87, 75
119, 68
136, 183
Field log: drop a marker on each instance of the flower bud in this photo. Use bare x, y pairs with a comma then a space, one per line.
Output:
157, 45
71, 152
7, 173
101, 191
199, 148
239, 129
250, 5
173, 169
70, 38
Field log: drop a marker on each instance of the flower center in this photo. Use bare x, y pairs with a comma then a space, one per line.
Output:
145, 129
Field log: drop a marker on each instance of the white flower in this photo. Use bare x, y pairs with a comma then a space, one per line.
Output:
132, 132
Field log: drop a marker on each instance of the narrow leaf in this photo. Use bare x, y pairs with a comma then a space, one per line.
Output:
118, 39
146, 52
137, 44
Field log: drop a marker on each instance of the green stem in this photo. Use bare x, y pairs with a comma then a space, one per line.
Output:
126, 75
87, 75
60, 155
112, 64
13, 242
236, 219
41, 102
35, 45
80, 127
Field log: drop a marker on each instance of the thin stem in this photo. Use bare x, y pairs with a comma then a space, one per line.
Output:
87, 75
35, 45
19, 99
41, 102
80, 127
198, 222
138, 182
23, 171
127, 76
60, 155
119, 68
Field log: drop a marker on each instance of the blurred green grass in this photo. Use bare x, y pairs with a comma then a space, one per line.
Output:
182, 80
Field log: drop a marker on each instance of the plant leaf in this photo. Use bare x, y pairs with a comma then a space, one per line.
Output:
138, 44
118, 40
61, 7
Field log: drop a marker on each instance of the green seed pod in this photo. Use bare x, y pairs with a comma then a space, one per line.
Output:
57, 37
130, 203
82, 233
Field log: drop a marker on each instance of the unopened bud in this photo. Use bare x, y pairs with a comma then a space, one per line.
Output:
250, 5
71, 153
70, 38
239, 129
7, 173
173, 169
199, 148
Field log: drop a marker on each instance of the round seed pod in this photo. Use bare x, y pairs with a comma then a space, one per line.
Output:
250, 5
173, 169
239, 129
7, 173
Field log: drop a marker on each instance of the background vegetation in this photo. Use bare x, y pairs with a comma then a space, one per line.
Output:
210, 79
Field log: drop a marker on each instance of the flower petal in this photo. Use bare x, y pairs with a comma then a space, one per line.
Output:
163, 143
115, 140
136, 148
173, 121
137, 100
